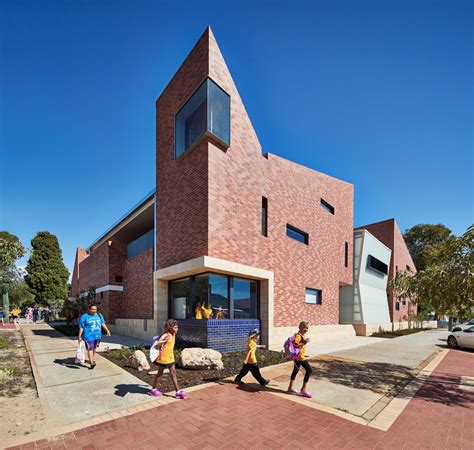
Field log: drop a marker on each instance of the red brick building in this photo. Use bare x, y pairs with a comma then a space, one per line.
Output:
388, 233
254, 238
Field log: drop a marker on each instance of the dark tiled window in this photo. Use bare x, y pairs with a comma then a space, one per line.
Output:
207, 112
327, 206
346, 254
313, 296
264, 216
377, 265
296, 234
118, 279
397, 306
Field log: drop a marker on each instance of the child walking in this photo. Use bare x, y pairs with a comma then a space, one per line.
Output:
301, 341
250, 361
165, 358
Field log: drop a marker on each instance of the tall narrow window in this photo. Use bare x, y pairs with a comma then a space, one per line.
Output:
264, 216
327, 206
346, 254
296, 234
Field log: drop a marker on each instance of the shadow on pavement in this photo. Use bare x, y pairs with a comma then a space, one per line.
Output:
377, 377
444, 389
68, 362
253, 387
49, 333
123, 389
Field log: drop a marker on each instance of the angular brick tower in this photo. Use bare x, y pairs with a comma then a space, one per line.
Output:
210, 201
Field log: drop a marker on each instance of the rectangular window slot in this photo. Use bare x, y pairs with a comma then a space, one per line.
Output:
327, 206
377, 265
346, 254
296, 234
264, 216
313, 296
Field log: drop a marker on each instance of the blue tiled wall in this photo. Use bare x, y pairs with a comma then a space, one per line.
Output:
222, 335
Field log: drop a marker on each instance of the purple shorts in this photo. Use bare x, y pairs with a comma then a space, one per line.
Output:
92, 345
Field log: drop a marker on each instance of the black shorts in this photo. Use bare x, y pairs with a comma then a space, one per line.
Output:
165, 366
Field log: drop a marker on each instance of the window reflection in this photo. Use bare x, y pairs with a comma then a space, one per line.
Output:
206, 111
181, 298
207, 296
245, 299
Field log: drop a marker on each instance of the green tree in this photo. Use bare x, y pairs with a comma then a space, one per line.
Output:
19, 293
11, 249
446, 284
422, 239
46, 273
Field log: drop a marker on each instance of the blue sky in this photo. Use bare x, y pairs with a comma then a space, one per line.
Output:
377, 93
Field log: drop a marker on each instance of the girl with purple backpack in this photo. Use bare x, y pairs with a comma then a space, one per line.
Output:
299, 342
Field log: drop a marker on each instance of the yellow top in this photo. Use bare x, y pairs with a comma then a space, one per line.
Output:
167, 353
198, 312
298, 339
220, 315
252, 348
207, 312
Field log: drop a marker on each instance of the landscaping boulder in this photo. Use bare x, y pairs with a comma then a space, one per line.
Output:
200, 358
139, 361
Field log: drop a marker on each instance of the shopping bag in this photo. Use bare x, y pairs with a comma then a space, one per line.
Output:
81, 353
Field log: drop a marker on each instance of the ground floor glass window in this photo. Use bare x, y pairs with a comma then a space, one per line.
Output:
213, 296
181, 298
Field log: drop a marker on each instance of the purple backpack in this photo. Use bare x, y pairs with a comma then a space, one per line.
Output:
292, 353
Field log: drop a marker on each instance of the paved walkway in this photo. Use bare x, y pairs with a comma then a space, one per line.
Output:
440, 416
71, 392
405, 351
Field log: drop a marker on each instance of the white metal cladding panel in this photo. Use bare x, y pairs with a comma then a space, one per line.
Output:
373, 285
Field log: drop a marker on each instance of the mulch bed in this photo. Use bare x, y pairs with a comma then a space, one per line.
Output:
186, 378
397, 333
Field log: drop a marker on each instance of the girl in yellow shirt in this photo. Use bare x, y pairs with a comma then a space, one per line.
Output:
207, 312
300, 341
250, 361
165, 358
198, 311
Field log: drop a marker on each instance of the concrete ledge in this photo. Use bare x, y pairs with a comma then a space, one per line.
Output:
366, 329
136, 328
317, 333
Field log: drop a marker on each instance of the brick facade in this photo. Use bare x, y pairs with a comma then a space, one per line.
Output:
138, 286
388, 232
108, 265
209, 202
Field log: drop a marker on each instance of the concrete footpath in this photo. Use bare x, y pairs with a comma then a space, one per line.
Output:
71, 392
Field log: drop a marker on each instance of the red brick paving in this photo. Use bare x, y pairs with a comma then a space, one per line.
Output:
440, 416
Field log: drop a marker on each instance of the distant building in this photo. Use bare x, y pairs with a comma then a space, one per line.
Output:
365, 303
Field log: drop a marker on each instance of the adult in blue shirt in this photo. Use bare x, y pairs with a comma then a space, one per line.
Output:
90, 331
